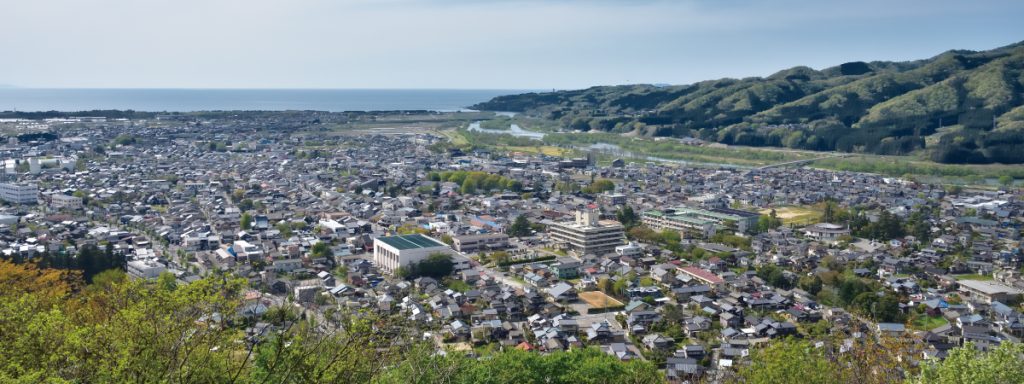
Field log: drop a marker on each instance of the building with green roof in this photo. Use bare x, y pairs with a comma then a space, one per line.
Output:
393, 252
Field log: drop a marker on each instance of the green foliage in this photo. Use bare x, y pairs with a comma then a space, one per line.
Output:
436, 265
627, 217
246, 221
520, 227
120, 330
968, 365
588, 365
800, 361
887, 227
790, 361
498, 123
320, 250
472, 182
768, 222
877, 107
125, 140
285, 229
598, 186
774, 275
90, 260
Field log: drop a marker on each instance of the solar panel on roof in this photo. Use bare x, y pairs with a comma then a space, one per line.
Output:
410, 242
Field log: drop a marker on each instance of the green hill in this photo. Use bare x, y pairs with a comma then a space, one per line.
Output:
957, 107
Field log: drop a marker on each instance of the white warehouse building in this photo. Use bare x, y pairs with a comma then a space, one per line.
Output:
393, 252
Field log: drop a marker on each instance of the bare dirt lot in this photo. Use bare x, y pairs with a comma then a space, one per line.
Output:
599, 300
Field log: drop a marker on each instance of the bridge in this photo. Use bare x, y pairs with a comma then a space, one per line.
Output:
796, 163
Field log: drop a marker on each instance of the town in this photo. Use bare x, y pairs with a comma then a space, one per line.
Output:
688, 266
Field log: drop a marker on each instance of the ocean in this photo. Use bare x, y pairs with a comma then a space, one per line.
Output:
188, 100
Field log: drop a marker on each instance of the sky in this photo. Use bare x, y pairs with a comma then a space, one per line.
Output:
470, 44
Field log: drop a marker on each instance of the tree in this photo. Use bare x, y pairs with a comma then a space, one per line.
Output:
436, 265
500, 257
768, 222
627, 217
598, 186
968, 365
320, 250
587, 365
166, 281
520, 227
246, 221
1006, 180
788, 361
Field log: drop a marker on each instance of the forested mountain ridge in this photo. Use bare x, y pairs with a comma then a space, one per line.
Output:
958, 107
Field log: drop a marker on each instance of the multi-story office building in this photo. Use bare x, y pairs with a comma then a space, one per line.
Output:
588, 235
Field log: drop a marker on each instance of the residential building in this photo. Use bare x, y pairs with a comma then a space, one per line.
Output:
62, 201
244, 250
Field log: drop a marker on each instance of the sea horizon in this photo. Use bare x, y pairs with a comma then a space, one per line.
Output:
26, 99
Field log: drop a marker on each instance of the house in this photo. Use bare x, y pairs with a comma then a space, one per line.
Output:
566, 268
891, 329
656, 341
562, 292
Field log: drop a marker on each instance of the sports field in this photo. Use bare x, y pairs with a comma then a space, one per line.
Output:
798, 215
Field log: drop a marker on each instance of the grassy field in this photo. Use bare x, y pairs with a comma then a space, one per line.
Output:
924, 170
798, 215
599, 300
927, 323
543, 149
454, 137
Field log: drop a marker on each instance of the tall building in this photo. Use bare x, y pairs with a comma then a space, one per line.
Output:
393, 252
588, 234
15, 193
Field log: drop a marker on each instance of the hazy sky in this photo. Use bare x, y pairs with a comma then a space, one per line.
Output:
507, 44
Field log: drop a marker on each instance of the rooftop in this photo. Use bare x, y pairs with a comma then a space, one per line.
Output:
410, 242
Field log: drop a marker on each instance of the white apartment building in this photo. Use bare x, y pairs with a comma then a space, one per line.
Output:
145, 269
15, 193
62, 201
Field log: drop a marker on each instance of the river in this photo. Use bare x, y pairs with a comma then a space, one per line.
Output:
605, 148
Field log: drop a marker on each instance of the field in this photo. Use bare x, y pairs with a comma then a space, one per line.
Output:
974, 277
927, 323
797, 215
543, 149
599, 300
